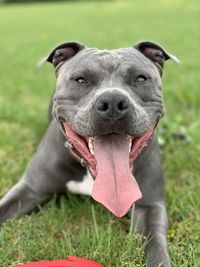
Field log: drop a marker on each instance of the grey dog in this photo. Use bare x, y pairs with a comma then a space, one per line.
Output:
105, 109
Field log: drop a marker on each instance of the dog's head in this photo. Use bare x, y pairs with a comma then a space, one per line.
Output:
108, 100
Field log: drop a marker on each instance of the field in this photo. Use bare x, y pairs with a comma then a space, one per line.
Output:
29, 32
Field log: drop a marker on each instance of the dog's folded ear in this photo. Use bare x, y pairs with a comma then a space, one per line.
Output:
155, 53
62, 53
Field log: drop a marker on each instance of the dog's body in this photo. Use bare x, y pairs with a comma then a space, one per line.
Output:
107, 104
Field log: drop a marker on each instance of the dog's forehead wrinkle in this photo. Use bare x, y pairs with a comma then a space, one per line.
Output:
107, 59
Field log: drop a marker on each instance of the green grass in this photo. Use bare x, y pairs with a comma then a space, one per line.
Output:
28, 32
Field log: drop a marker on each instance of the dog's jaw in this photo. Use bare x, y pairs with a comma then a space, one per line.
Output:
84, 146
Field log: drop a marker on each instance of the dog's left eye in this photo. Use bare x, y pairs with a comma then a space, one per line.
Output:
81, 80
140, 79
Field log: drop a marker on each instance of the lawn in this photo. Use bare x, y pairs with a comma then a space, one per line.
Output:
28, 32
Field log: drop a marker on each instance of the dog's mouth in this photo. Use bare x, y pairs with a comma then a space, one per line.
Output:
110, 159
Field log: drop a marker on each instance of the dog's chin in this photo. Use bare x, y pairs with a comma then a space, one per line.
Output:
84, 146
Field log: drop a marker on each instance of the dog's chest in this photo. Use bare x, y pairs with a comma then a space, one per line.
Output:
84, 187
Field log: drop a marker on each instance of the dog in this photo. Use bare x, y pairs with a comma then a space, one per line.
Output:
101, 140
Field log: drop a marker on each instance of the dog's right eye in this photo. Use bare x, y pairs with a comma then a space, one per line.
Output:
81, 80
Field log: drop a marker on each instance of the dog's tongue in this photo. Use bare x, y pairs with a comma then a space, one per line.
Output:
115, 186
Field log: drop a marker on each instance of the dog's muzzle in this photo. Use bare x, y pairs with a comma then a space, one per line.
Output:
110, 155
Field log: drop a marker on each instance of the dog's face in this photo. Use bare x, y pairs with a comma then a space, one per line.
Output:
101, 92
108, 104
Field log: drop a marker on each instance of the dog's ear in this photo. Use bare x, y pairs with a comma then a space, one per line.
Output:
63, 52
155, 53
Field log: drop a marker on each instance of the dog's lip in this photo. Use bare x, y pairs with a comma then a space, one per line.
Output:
62, 120
89, 140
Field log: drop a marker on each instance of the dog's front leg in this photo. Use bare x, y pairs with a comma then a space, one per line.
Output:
47, 173
21, 199
152, 221
156, 225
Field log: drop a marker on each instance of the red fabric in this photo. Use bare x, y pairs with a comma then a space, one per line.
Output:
70, 262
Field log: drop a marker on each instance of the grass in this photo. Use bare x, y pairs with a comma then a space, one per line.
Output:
28, 32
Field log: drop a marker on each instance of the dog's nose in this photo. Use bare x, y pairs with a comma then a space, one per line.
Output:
112, 106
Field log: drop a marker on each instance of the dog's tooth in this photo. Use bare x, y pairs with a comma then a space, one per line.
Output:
129, 138
91, 145
92, 151
130, 146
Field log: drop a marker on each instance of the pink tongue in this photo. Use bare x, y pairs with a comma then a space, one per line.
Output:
115, 186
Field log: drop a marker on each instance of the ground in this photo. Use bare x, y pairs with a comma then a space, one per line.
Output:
29, 32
